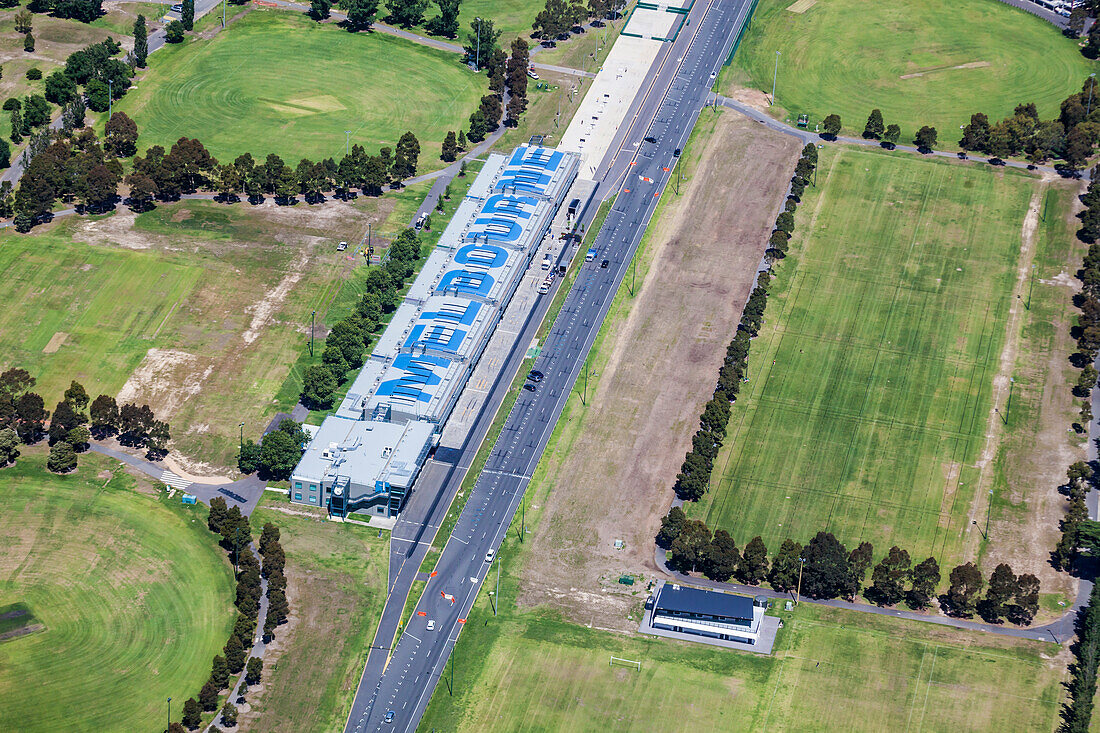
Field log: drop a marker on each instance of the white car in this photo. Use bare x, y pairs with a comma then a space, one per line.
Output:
531, 73
431, 624
490, 555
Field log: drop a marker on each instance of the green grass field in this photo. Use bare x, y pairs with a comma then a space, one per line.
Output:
134, 593
338, 578
839, 58
190, 279
235, 94
511, 17
831, 670
871, 380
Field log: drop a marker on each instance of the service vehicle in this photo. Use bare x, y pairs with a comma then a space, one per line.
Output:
591, 255
546, 261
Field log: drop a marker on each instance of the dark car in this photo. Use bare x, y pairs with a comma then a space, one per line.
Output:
676, 153
650, 139
1031, 166
529, 387
535, 375
996, 161
962, 155
604, 264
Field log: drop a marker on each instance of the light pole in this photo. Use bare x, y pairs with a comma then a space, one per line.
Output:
477, 48
1092, 85
775, 75
169, 713
1008, 405
798, 590
223, 13
988, 510
242, 437
347, 142
1030, 287
312, 318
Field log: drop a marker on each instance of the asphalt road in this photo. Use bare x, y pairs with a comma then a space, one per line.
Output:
667, 112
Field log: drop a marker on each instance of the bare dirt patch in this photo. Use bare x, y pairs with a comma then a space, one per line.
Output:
936, 69
613, 480
1035, 461
755, 98
165, 379
55, 343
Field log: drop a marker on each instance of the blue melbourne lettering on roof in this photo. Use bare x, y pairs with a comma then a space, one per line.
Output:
419, 372
466, 282
696, 600
530, 169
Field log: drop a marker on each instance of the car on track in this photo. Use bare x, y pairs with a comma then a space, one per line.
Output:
535, 375
490, 555
431, 624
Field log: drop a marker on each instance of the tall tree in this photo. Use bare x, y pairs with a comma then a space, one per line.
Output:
553, 21
361, 14
76, 396
925, 139
481, 42
753, 567
121, 135
860, 561
31, 416
785, 566
62, 458
831, 125
446, 23
192, 713
721, 557
892, 135
671, 526
887, 578
105, 416
924, 577
827, 573
187, 15
406, 13
1002, 587
1025, 600
141, 42
875, 127
450, 148
688, 551
966, 581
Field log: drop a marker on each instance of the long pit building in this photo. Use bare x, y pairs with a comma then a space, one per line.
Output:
366, 457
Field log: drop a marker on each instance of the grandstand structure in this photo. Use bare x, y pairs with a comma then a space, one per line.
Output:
366, 457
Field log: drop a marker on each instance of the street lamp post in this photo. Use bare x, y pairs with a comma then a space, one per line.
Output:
775, 75
1030, 287
798, 590
312, 318
347, 142
988, 510
242, 437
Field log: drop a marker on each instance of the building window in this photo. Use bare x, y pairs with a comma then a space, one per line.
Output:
297, 496
313, 500
297, 484
313, 487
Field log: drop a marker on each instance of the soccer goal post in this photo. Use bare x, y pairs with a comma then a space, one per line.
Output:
625, 663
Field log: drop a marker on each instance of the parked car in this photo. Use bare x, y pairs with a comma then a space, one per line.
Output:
490, 555
996, 161
649, 139
531, 73
431, 624
341, 247
604, 264
530, 388
389, 717
177, 8
535, 375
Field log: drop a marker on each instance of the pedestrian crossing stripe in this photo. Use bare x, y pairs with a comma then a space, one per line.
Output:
176, 482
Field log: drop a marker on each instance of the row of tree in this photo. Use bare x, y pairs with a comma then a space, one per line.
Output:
826, 569
1076, 525
236, 536
277, 455
274, 564
559, 17
693, 480
784, 223
347, 341
83, 10
76, 167
1077, 710
1087, 330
